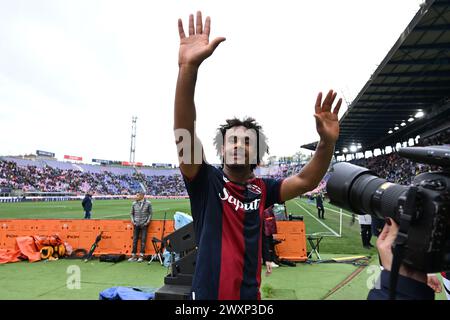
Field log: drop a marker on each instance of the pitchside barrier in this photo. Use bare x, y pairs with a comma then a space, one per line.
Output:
117, 236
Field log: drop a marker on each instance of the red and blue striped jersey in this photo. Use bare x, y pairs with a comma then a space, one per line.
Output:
228, 220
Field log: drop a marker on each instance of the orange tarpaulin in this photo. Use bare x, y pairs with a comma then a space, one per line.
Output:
25, 249
7, 255
28, 248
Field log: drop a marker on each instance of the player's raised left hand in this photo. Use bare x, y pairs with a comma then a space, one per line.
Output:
327, 122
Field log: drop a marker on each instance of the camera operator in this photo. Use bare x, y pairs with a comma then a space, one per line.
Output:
420, 212
434, 283
412, 284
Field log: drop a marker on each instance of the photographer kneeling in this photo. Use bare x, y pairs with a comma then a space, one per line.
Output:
412, 284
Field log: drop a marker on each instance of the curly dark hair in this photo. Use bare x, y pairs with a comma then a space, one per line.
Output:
248, 123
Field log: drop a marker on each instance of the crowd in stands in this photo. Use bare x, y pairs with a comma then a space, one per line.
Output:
57, 177
394, 168
290, 169
400, 170
391, 166
279, 171
441, 138
50, 179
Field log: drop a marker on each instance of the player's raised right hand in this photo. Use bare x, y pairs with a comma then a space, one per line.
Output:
195, 48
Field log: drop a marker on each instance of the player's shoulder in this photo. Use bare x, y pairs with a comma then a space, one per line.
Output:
269, 180
212, 170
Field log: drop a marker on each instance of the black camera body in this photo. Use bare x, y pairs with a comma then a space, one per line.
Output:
422, 209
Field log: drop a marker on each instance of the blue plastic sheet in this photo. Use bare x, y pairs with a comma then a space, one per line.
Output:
181, 219
127, 293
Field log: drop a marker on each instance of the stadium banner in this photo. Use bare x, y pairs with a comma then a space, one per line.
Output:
162, 165
45, 154
9, 199
101, 161
129, 164
67, 157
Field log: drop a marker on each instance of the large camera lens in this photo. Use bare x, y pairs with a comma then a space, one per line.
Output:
361, 191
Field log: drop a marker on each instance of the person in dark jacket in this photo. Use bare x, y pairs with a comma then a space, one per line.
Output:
319, 205
412, 284
268, 243
87, 205
365, 221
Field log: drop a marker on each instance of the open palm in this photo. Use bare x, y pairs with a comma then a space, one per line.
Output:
196, 48
327, 122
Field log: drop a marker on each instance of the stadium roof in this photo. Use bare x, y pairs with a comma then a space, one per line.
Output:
413, 77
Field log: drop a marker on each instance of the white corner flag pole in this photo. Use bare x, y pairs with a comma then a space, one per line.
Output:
340, 223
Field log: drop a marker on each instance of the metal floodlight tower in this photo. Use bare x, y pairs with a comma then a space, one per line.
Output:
133, 153
133, 140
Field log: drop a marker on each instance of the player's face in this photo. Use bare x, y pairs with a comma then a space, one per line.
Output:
240, 146
139, 196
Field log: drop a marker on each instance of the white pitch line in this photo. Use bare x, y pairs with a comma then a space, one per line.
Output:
345, 214
334, 232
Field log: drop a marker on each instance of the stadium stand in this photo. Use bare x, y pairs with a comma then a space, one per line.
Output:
406, 100
409, 92
407, 97
396, 169
56, 176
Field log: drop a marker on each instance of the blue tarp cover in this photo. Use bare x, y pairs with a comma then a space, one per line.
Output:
127, 293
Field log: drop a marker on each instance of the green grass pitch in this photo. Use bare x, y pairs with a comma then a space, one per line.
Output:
26, 280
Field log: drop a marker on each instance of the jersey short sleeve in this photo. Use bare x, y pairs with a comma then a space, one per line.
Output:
198, 188
273, 187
